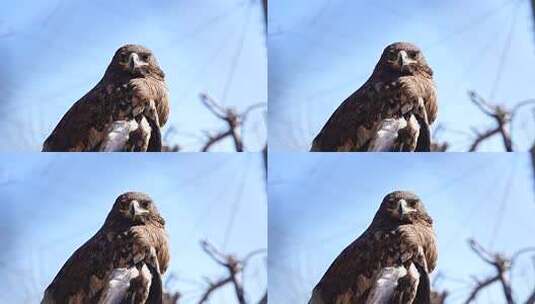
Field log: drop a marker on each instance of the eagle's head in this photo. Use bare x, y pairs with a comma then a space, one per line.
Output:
135, 61
134, 208
402, 207
403, 59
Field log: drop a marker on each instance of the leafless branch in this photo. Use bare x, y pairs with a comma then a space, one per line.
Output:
502, 118
212, 140
234, 268
481, 137
502, 266
481, 103
212, 288
480, 286
233, 120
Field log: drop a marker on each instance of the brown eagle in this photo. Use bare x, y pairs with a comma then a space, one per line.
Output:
122, 263
392, 111
389, 263
123, 112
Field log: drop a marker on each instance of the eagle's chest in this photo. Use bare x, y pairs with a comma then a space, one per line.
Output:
119, 250
392, 99
386, 249
115, 104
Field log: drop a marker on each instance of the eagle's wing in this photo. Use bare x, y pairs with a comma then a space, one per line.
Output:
72, 281
350, 277
78, 129
349, 128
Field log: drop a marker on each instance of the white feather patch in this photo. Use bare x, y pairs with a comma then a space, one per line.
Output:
118, 284
387, 134
118, 134
385, 284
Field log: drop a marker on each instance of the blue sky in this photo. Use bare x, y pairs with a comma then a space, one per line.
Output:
53, 203
54, 51
320, 51
321, 203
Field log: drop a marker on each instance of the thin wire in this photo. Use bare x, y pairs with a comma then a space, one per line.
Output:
236, 205
475, 21
503, 204
505, 52
237, 55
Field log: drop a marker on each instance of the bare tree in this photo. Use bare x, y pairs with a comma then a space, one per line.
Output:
234, 267
502, 266
232, 118
501, 115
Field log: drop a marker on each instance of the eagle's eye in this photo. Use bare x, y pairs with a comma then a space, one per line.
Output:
145, 57
145, 204
124, 204
412, 54
123, 58
413, 203
392, 55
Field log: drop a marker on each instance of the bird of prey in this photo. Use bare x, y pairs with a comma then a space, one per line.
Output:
392, 111
123, 112
389, 263
122, 263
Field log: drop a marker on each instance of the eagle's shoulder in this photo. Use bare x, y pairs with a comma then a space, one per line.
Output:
345, 128
86, 113
352, 272
86, 262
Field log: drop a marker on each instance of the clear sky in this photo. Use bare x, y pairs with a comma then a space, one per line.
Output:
321, 203
320, 51
55, 51
53, 203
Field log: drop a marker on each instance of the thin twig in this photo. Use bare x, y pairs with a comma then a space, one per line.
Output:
233, 120
234, 267
502, 265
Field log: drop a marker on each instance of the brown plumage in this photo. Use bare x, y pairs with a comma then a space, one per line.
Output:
132, 90
400, 243
399, 95
130, 250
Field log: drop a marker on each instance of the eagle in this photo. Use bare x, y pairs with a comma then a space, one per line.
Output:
389, 263
122, 263
392, 111
123, 112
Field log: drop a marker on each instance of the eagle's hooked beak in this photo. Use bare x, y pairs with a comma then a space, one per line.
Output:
136, 210
134, 62
404, 208
404, 60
